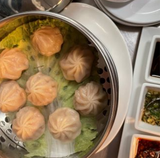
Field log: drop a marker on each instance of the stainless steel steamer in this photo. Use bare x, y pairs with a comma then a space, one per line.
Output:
108, 74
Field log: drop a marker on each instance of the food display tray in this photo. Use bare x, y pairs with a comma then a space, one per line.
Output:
138, 79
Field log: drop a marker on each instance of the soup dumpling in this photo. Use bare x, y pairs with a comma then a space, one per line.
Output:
47, 40
77, 64
29, 124
12, 96
90, 99
64, 124
12, 63
41, 89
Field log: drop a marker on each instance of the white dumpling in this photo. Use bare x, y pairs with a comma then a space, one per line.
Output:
90, 99
41, 89
12, 96
29, 124
64, 124
47, 40
12, 63
77, 64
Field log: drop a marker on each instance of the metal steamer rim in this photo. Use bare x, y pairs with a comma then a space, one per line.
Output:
108, 78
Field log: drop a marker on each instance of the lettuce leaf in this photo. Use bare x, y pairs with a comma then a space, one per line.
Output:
8, 26
36, 148
88, 134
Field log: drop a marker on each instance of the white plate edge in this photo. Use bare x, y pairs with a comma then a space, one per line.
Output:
101, 7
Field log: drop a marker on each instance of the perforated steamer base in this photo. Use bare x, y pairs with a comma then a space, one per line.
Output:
9, 143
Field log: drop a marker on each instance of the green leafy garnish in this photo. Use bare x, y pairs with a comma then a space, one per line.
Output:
88, 134
36, 147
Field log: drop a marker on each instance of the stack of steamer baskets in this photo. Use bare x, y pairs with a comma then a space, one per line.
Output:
106, 70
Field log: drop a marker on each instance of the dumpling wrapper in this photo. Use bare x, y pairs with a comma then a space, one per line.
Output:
90, 99
77, 64
29, 124
41, 89
12, 96
64, 124
12, 63
47, 40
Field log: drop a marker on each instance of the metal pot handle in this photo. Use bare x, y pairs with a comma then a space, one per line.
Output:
10, 7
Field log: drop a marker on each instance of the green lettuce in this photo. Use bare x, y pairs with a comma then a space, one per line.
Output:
36, 147
8, 26
88, 134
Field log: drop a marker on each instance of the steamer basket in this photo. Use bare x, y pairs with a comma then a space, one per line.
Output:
9, 143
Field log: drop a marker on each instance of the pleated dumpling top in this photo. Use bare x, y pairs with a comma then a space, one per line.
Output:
64, 124
12, 63
41, 89
90, 99
77, 64
47, 40
29, 124
12, 96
